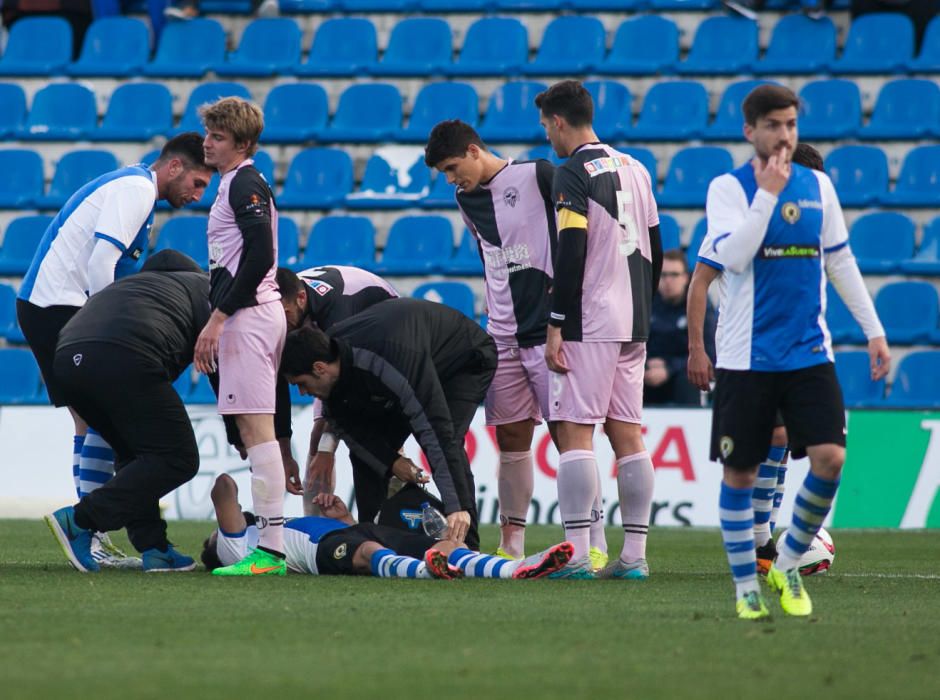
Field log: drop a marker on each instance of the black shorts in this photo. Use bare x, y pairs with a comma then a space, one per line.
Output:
336, 549
743, 415
41, 327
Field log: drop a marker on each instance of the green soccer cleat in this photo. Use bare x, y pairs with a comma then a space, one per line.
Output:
500, 552
793, 597
599, 559
752, 607
258, 563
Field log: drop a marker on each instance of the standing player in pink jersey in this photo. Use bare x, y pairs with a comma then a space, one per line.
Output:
245, 333
606, 269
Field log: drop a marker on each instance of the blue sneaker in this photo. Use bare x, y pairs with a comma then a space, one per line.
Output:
74, 540
170, 560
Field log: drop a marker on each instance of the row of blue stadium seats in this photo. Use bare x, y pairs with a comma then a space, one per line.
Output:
423, 46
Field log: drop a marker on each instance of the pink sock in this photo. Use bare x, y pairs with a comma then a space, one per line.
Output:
577, 490
267, 494
515, 481
635, 482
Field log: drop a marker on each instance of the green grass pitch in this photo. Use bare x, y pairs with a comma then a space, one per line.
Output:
875, 632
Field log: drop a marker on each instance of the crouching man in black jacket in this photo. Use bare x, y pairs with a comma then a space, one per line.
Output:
117, 360
402, 367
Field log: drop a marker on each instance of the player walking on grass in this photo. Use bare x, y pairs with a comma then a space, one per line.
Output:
775, 230
606, 269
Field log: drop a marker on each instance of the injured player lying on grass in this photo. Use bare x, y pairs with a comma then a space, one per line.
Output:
337, 545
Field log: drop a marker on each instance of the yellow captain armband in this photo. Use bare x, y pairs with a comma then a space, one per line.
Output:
571, 219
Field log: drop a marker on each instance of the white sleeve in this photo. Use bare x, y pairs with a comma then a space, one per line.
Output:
834, 233
126, 209
735, 230
101, 264
845, 276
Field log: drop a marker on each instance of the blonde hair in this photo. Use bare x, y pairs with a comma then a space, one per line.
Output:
242, 119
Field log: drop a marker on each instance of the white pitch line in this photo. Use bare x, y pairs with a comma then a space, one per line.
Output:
930, 577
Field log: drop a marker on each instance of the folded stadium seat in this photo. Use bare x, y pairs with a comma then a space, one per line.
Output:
691, 170
307, 6
511, 114
389, 6
184, 384
454, 5
917, 382
799, 45
683, 5
853, 369
729, 120
298, 399
188, 49
61, 112
644, 45
613, 108
342, 46
263, 163
906, 109
882, 42
12, 109
916, 186
698, 235
722, 46
202, 391
288, 242
294, 113
137, 112
543, 151
7, 310
40, 46
20, 243
269, 46
203, 93
417, 245
672, 111
466, 258
21, 178
75, 169
881, 240
669, 232
437, 102
186, 234
909, 311
646, 157
926, 260
528, 5
19, 376
340, 240
492, 46
395, 178
113, 46
572, 44
440, 195
318, 178
842, 325
418, 46
830, 109
859, 173
605, 5
456, 295
927, 61
366, 112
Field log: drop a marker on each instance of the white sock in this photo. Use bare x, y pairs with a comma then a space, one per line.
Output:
476, 565
635, 481
96, 465
387, 564
577, 491
77, 442
598, 536
267, 494
515, 482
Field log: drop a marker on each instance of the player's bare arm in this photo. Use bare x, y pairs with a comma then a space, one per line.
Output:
700, 370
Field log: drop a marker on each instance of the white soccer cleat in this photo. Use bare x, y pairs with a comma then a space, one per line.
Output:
110, 556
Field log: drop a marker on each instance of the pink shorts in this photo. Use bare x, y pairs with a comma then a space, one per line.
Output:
249, 355
605, 381
520, 386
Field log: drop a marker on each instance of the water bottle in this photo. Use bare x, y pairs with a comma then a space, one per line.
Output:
433, 522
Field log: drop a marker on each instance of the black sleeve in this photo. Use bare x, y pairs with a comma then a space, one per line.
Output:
656, 250
545, 177
570, 190
282, 416
569, 274
250, 199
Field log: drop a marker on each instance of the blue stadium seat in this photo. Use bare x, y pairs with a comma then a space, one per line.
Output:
440, 195
853, 370
186, 234
75, 169
492, 46
799, 45
184, 384
393, 183
12, 109
917, 382
40, 46
437, 102
882, 42
203, 93
113, 46
307, 6
511, 114
294, 112
389, 6
21, 179
672, 111
698, 235
528, 5
543, 151
927, 61
366, 112
342, 46
318, 178
456, 295
288, 242
906, 109
917, 184
61, 112
455, 5
859, 173
340, 240
417, 245
298, 399
909, 311
572, 44
466, 259
881, 240
646, 157
644, 45
137, 112
831, 109
269, 46
722, 46
20, 242
729, 120
188, 49
690, 172
19, 376
669, 232
226, 7
683, 5
605, 5
418, 46
8, 323
842, 325
613, 108
926, 260
202, 391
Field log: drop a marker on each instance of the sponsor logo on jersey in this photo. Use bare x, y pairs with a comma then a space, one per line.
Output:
511, 196
321, 288
411, 518
562, 201
790, 212
606, 165
809, 204
788, 250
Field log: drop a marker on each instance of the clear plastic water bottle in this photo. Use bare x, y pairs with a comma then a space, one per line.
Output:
433, 522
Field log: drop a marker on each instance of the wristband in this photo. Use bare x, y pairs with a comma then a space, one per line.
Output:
328, 443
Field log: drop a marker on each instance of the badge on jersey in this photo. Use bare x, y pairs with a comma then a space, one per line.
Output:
726, 446
511, 196
321, 288
790, 212
340, 551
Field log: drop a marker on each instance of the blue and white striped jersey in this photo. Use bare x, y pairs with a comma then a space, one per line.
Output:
301, 539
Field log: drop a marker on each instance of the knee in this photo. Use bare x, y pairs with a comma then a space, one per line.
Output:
515, 437
224, 488
827, 462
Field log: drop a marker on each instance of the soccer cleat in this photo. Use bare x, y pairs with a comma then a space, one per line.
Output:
439, 567
156, 561
765, 557
109, 555
258, 563
500, 552
751, 606
576, 569
599, 559
637, 570
545, 563
74, 540
793, 597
